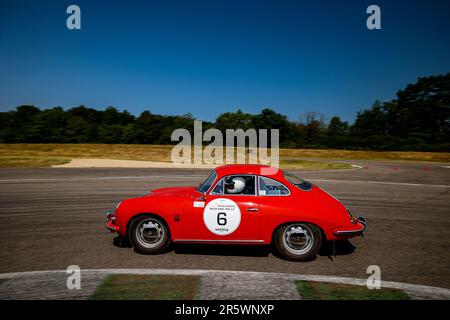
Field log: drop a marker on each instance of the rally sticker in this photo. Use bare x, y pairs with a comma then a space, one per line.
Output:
222, 216
199, 204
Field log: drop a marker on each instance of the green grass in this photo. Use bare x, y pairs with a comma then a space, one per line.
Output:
46, 155
392, 156
314, 290
30, 162
147, 287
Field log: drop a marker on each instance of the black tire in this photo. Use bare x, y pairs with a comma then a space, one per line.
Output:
149, 234
298, 241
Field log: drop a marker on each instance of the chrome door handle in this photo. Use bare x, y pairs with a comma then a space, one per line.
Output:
252, 209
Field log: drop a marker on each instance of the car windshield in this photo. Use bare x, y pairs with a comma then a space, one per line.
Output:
298, 182
207, 183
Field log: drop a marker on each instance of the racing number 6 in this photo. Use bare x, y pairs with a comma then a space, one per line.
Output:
221, 218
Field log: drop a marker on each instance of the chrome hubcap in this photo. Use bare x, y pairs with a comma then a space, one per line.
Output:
298, 239
149, 233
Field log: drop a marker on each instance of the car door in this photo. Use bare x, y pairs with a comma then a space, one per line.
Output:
221, 216
276, 203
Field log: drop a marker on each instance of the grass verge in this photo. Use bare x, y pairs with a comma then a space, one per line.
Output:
147, 287
314, 290
30, 162
332, 154
46, 155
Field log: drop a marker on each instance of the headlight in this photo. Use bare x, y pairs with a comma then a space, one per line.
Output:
352, 219
110, 216
349, 213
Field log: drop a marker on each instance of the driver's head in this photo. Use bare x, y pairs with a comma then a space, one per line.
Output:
235, 184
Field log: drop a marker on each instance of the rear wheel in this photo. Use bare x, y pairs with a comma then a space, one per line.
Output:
298, 241
149, 235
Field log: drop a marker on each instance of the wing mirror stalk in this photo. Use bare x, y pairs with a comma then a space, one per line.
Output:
202, 197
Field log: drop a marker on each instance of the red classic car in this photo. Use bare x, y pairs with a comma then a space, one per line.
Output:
237, 204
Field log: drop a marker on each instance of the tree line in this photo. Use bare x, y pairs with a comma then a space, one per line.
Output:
417, 119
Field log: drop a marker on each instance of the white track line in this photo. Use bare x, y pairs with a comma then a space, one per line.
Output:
384, 182
354, 167
199, 272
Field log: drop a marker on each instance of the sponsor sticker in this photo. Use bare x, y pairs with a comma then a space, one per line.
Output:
199, 204
222, 216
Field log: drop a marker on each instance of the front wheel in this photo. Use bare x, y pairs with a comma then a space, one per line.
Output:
149, 235
298, 241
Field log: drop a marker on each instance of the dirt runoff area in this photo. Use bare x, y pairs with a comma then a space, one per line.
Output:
113, 163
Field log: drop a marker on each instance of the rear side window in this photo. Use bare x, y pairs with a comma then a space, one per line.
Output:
298, 182
270, 187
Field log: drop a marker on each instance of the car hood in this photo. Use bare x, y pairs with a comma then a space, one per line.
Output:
173, 192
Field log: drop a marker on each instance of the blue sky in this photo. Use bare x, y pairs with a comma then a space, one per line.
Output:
209, 57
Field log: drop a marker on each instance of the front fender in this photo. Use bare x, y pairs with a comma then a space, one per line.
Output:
166, 209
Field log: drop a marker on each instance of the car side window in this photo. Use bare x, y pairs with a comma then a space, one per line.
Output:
270, 187
237, 185
208, 182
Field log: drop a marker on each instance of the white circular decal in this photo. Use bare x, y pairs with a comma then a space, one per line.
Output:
222, 216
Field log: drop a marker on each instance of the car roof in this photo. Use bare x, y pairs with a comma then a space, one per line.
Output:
257, 169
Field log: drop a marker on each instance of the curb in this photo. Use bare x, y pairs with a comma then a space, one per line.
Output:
416, 291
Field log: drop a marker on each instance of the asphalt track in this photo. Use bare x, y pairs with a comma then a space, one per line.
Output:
53, 218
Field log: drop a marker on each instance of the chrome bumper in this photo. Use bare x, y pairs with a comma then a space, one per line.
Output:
356, 232
110, 221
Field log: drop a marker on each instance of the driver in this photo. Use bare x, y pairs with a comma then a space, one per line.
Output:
235, 185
